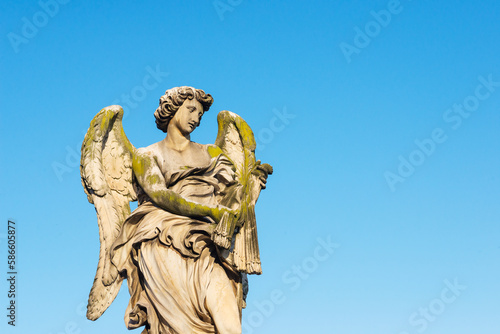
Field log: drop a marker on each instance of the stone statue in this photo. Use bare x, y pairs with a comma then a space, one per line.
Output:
187, 248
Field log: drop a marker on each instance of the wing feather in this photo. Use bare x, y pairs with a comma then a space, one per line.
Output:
106, 172
237, 142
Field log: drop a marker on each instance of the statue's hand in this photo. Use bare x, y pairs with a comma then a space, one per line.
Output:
262, 171
219, 211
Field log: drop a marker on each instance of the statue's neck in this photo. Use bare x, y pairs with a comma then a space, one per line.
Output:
176, 140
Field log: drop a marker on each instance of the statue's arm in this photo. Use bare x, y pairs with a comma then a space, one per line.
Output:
150, 178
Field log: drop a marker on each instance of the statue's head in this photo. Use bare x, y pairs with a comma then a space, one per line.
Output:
173, 100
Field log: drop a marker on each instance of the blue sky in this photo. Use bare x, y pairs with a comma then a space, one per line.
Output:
380, 118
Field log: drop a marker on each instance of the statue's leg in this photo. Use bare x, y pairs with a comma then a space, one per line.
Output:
222, 303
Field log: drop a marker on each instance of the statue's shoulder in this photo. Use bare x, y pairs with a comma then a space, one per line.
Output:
153, 150
213, 150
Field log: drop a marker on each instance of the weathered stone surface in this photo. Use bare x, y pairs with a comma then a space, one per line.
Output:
187, 248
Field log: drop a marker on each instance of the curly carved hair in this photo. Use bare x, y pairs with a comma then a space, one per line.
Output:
174, 98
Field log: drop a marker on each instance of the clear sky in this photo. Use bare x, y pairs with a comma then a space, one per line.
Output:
381, 119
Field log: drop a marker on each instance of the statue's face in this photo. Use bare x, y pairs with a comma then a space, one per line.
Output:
188, 116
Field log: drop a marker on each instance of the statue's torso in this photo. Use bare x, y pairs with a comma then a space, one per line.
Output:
170, 160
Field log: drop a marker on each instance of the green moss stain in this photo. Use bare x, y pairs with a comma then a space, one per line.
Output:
246, 134
153, 179
214, 151
140, 165
224, 119
174, 203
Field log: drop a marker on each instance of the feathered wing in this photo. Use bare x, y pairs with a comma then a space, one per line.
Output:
237, 142
106, 171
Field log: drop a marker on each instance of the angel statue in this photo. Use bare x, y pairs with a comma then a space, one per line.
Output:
187, 248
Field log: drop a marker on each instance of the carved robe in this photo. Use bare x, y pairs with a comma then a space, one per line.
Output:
170, 260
